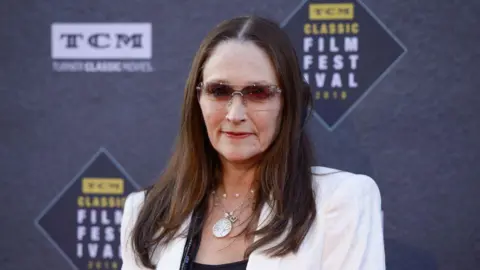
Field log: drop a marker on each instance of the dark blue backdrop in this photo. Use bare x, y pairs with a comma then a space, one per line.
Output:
416, 132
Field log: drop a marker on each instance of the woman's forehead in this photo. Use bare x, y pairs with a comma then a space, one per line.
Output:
239, 62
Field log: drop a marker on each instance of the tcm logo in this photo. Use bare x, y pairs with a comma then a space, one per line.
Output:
322, 12
101, 40
113, 186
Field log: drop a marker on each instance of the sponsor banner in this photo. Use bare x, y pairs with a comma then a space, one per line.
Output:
101, 47
343, 50
83, 221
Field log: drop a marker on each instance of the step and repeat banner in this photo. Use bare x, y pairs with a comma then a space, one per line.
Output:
90, 103
83, 221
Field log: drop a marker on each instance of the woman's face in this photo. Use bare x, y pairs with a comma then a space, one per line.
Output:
238, 128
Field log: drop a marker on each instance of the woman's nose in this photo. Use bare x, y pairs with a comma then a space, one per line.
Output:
236, 109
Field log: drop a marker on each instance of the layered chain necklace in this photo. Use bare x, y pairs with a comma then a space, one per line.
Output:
224, 225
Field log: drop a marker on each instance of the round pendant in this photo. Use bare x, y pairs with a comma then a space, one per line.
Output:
222, 227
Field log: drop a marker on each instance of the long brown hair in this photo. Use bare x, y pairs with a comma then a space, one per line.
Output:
283, 173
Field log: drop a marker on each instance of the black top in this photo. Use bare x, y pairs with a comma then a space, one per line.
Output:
241, 265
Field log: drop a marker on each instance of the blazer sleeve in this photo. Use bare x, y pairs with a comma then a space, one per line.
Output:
353, 237
130, 213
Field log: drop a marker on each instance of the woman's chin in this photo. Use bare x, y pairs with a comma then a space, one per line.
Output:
237, 157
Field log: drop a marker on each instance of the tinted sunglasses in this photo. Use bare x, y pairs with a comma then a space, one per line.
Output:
220, 91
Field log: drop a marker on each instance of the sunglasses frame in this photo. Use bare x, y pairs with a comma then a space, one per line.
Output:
273, 88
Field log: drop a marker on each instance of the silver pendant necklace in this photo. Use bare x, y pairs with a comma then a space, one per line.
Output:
224, 226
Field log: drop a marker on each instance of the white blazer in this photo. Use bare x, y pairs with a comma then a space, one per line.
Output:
346, 235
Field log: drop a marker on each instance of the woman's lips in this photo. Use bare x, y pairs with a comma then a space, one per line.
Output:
237, 135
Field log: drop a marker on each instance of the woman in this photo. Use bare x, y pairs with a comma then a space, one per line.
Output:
240, 191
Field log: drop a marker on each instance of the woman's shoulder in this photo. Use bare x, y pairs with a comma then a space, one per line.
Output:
330, 183
134, 202
131, 209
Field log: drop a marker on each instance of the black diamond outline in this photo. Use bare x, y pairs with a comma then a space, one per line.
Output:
60, 194
374, 83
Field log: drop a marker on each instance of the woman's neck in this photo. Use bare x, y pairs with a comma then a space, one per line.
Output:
237, 178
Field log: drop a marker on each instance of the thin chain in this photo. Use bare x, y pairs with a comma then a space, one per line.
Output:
224, 208
231, 212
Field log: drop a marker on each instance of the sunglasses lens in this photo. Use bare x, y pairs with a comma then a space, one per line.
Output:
218, 91
257, 92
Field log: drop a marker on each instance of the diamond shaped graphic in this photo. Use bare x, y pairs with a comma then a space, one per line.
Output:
83, 221
344, 50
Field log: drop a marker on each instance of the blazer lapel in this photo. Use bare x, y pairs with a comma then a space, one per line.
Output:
257, 260
171, 255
